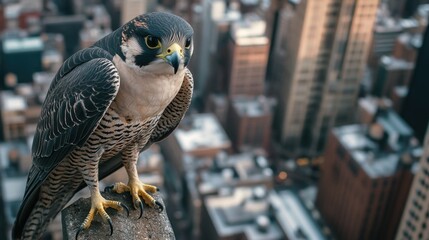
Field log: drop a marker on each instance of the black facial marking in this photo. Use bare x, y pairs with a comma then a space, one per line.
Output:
148, 54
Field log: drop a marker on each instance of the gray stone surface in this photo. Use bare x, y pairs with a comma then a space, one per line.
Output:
153, 225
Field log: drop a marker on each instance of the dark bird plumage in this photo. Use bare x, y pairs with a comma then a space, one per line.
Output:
83, 130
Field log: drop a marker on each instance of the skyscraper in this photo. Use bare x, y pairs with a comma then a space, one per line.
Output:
133, 8
249, 122
366, 177
404, 8
248, 57
321, 63
415, 217
416, 105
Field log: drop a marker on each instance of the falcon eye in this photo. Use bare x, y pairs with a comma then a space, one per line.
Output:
188, 43
152, 42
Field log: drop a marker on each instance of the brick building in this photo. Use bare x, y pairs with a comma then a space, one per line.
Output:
366, 177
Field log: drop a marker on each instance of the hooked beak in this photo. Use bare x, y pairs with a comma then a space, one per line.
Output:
172, 55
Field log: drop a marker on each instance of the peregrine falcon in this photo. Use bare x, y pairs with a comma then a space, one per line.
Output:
106, 104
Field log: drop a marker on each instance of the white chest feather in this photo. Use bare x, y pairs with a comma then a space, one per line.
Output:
142, 94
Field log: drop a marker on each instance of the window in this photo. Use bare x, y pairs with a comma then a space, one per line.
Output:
406, 234
417, 205
426, 171
340, 152
353, 167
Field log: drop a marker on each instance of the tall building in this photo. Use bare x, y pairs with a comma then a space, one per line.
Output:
322, 57
366, 176
133, 8
415, 218
404, 8
249, 123
248, 57
68, 26
16, 51
386, 31
212, 23
391, 72
416, 106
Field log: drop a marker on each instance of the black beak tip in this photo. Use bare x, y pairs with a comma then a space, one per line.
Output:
174, 61
175, 64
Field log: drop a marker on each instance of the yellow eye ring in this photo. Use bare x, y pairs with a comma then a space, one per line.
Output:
152, 42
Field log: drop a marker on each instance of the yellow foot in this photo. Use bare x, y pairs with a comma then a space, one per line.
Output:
138, 189
98, 205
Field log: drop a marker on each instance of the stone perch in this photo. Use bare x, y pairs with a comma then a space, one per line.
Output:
153, 225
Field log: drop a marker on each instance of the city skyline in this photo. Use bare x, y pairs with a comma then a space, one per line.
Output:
308, 120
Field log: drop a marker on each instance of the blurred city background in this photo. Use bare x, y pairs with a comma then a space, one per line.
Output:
308, 121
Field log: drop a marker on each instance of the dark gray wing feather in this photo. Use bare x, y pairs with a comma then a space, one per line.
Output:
77, 100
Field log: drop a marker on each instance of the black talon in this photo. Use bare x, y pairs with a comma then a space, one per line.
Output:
111, 225
109, 188
157, 189
141, 208
161, 208
126, 208
78, 231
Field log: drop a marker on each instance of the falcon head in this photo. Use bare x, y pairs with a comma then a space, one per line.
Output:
157, 42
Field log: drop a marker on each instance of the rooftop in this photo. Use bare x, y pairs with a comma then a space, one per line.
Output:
371, 104
375, 159
423, 10
12, 102
242, 210
200, 131
252, 106
249, 31
15, 45
411, 40
387, 25
401, 91
392, 63
293, 217
230, 170
260, 214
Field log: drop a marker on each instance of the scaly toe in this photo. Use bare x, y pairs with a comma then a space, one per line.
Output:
150, 188
118, 187
99, 206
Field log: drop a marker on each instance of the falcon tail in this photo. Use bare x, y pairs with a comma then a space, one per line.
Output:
41, 205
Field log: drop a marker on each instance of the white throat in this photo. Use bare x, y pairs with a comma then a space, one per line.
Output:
145, 92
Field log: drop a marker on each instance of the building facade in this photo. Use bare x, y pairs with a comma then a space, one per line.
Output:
416, 108
415, 218
366, 177
249, 123
320, 68
248, 56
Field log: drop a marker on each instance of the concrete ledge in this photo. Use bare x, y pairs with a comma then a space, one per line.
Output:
153, 225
